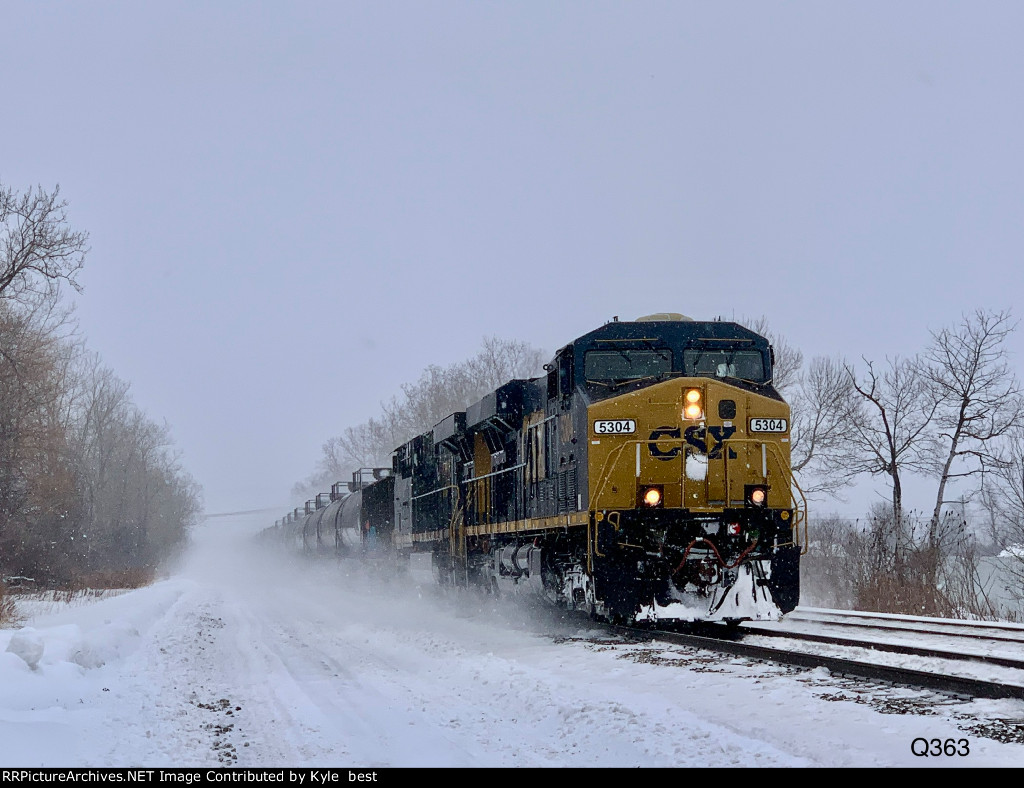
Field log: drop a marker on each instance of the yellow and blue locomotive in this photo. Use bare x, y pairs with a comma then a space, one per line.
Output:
645, 477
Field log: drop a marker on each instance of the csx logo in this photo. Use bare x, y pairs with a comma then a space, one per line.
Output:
697, 436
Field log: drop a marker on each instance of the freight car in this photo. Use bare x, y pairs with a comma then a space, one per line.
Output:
645, 477
343, 522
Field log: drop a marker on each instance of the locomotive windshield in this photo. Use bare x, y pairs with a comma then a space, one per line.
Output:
627, 364
724, 363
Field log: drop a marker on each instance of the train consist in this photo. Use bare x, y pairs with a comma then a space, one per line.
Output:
645, 477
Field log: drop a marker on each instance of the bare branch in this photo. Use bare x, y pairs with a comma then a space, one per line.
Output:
979, 396
38, 249
891, 432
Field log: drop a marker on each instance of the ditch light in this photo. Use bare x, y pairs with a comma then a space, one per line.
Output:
756, 495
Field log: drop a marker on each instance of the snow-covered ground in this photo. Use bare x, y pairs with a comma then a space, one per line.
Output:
247, 659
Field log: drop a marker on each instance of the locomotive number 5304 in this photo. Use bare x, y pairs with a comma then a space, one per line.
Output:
769, 425
615, 427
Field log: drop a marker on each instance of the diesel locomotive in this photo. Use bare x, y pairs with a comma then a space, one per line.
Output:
644, 477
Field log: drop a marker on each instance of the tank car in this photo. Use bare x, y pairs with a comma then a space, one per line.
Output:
317, 527
364, 526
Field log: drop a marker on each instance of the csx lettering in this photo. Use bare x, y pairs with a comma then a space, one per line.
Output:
664, 432
698, 437
931, 748
695, 437
720, 434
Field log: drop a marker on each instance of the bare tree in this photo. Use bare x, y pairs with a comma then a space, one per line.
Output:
1002, 495
87, 482
821, 400
789, 361
823, 405
32, 378
978, 395
1005, 488
38, 249
436, 394
502, 360
138, 503
889, 430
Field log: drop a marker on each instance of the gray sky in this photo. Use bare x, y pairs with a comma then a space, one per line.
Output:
295, 207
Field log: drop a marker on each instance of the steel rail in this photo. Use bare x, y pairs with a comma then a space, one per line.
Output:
895, 648
954, 685
916, 624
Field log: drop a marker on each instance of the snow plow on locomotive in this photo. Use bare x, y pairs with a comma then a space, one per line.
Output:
645, 477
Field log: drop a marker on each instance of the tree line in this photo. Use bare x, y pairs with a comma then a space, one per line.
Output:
91, 489
952, 413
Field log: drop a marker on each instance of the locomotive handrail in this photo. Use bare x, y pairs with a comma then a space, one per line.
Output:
800, 514
435, 491
457, 534
496, 473
605, 474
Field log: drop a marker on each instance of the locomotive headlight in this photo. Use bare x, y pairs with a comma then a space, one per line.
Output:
756, 495
693, 408
650, 497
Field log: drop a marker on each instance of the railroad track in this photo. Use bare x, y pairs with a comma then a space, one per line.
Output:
989, 643
976, 660
989, 630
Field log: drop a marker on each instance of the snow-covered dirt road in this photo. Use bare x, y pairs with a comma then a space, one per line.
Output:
249, 659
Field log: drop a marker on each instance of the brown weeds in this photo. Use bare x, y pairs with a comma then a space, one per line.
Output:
8, 612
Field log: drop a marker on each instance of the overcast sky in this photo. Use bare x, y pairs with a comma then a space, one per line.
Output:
295, 207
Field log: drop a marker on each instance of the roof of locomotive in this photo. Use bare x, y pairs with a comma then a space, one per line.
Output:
676, 332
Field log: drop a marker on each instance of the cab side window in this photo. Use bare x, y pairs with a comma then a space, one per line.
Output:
565, 376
